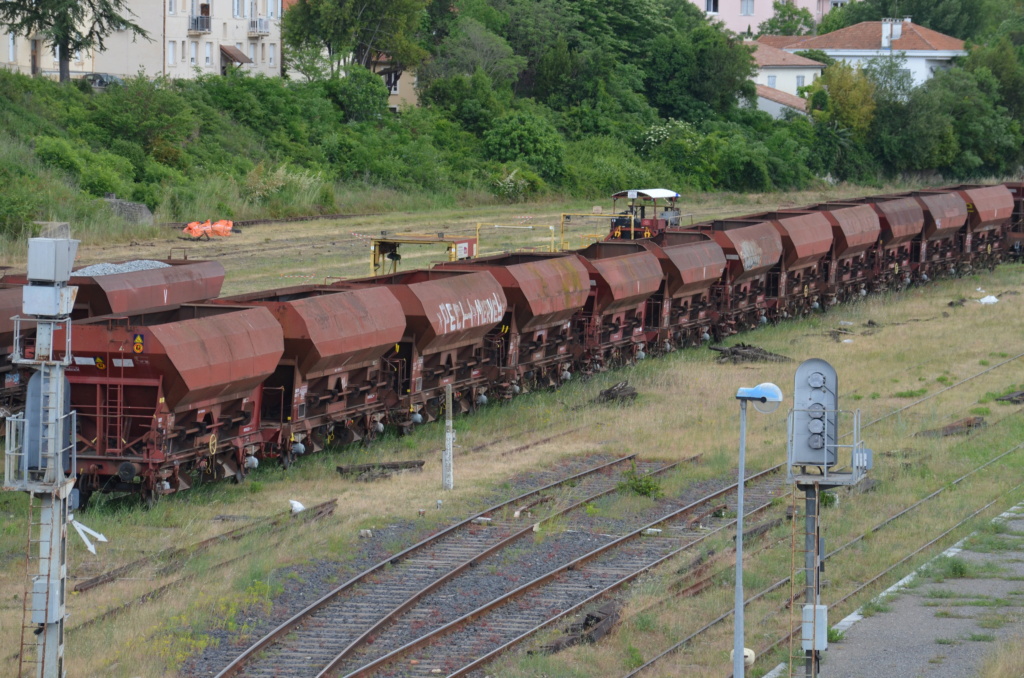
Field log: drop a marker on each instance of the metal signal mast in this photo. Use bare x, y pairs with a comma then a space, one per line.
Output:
40, 452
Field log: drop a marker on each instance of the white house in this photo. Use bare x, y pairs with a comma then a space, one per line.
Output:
744, 16
184, 35
924, 49
782, 70
780, 75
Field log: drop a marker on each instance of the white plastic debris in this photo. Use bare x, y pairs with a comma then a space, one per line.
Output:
980, 290
845, 323
296, 506
847, 341
988, 300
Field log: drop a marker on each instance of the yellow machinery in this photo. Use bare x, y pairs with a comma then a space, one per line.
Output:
384, 249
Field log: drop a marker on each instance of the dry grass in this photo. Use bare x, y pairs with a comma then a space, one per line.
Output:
686, 407
1005, 660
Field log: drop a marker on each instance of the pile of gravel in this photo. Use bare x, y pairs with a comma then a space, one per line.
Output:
127, 267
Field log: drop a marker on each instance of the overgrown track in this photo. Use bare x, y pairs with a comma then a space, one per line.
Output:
476, 638
903, 513
345, 618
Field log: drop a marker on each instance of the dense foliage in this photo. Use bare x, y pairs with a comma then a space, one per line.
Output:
518, 98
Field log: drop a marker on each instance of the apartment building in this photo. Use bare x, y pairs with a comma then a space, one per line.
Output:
744, 16
186, 38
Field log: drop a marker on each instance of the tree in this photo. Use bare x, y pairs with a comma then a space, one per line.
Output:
787, 20
469, 48
960, 18
69, 25
848, 99
702, 72
356, 30
525, 136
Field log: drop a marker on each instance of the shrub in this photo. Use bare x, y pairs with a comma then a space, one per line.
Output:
645, 486
523, 136
60, 154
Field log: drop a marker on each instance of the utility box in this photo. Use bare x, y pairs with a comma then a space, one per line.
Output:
48, 301
814, 630
51, 259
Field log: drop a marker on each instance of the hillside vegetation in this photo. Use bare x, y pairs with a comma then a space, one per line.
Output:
521, 99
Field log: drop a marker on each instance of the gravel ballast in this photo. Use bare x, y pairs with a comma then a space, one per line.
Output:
97, 270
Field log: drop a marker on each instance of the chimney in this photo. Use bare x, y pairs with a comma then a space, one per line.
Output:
886, 34
897, 29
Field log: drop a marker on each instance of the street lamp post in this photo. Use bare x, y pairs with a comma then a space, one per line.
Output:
766, 398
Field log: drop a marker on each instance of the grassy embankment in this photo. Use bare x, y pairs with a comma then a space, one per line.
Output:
686, 407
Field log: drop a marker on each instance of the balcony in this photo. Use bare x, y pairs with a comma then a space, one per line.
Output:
198, 24
259, 27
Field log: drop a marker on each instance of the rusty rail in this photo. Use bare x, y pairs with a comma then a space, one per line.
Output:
296, 620
782, 582
368, 669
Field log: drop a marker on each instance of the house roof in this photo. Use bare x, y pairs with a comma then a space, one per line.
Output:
867, 36
780, 97
782, 41
766, 55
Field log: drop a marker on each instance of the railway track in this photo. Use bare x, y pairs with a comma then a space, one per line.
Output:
832, 555
464, 644
347, 617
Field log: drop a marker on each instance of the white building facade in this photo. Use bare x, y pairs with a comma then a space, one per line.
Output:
186, 38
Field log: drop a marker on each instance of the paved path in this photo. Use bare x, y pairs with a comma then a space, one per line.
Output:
939, 629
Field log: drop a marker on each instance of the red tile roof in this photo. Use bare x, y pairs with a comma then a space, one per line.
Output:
780, 97
781, 41
766, 55
868, 36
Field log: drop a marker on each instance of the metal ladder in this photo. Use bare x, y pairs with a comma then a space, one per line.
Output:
38, 603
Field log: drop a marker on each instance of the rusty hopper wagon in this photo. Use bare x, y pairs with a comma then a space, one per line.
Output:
855, 232
544, 293
901, 219
448, 315
332, 382
171, 396
799, 278
989, 209
179, 281
623, 276
752, 249
678, 314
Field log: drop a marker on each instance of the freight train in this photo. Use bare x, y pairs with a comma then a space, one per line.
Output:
196, 387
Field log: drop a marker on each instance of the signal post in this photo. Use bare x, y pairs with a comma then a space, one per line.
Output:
817, 461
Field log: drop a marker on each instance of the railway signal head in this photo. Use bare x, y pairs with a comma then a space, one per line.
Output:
813, 425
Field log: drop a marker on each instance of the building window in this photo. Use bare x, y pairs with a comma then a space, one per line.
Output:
209, 54
712, 6
12, 53
263, 52
238, 46
252, 52
907, 73
771, 81
184, 54
170, 7
171, 46
236, 8
194, 53
273, 49
272, 8
800, 79
747, 7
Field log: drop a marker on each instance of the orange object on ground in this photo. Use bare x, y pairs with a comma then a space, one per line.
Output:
205, 229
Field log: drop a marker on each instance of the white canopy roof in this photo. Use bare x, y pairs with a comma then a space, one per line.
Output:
649, 193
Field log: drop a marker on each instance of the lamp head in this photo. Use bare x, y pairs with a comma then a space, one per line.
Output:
766, 397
